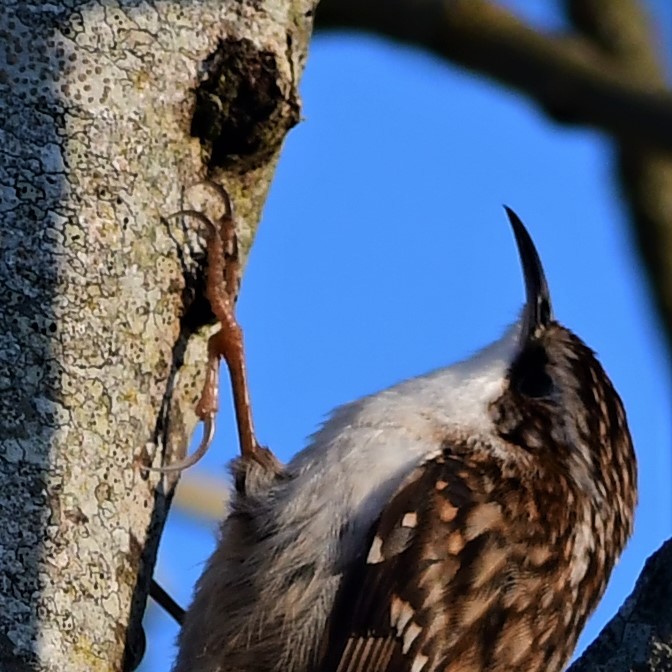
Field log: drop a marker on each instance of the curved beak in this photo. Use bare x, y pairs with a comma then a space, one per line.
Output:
538, 311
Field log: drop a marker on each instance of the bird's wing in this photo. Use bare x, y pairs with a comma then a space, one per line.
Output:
447, 583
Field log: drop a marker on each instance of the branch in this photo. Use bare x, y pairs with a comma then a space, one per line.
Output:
638, 637
572, 80
607, 75
623, 31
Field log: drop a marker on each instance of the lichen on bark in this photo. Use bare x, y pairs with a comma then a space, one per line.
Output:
99, 365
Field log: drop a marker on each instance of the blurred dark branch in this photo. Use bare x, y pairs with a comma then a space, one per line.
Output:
623, 31
606, 74
574, 80
640, 635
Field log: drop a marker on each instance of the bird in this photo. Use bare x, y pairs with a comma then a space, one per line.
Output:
466, 520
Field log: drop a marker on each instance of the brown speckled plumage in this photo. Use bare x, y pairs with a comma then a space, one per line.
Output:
493, 561
463, 521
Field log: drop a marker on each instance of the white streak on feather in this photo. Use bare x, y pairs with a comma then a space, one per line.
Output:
584, 545
375, 554
419, 663
409, 520
395, 610
405, 615
410, 636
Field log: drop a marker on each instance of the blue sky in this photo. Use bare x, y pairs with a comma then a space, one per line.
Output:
384, 252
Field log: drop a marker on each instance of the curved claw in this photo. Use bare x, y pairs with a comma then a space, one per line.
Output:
222, 282
197, 215
196, 456
220, 191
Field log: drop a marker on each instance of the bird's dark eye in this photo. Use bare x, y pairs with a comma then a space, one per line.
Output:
529, 375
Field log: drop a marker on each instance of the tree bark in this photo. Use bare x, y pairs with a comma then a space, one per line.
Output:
108, 111
639, 636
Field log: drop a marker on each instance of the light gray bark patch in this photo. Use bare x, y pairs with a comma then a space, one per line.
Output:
242, 113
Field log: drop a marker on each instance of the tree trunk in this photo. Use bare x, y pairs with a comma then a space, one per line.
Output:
108, 111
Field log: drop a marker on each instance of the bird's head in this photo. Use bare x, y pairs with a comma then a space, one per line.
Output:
558, 403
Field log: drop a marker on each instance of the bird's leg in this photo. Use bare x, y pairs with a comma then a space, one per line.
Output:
221, 289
